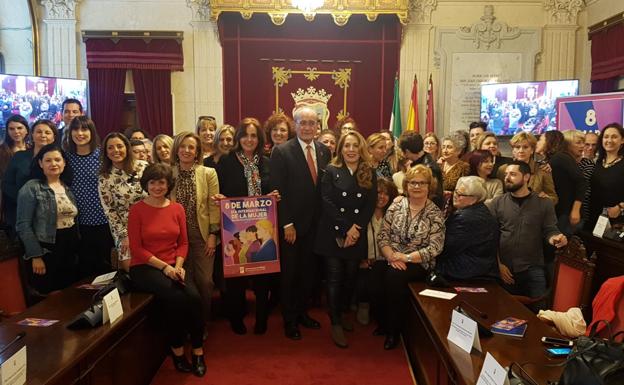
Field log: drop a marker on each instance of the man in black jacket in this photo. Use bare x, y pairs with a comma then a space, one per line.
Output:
296, 169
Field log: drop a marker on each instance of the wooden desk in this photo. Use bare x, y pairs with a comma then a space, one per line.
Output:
127, 352
609, 259
435, 359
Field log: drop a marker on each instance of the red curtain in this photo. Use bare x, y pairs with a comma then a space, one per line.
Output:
152, 62
106, 92
607, 52
153, 94
252, 47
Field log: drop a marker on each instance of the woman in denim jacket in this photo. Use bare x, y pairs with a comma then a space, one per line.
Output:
46, 222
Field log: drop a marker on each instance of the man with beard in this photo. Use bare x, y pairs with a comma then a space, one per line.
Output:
524, 220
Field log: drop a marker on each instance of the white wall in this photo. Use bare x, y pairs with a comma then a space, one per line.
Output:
16, 40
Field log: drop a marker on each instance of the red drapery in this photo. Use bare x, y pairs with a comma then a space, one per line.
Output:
106, 90
153, 94
151, 62
252, 47
607, 52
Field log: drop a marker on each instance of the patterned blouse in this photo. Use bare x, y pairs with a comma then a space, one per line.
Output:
405, 234
453, 174
186, 195
118, 191
66, 210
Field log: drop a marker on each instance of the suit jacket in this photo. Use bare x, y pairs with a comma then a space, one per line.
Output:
301, 199
232, 179
208, 213
344, 203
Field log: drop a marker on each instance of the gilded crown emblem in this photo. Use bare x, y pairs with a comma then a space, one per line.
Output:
310, 96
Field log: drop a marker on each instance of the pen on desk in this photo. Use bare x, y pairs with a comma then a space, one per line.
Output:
18, 337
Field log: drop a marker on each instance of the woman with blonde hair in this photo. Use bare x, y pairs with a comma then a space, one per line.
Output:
377, 148
411, 237
194, 185
349, 193
523, 146
224, 141
205, 129
162, 148
431, 145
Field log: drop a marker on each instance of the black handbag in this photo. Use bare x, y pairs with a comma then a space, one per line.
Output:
595, 360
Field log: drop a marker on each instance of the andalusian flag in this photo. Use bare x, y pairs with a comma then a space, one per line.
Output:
395, 118
412, 115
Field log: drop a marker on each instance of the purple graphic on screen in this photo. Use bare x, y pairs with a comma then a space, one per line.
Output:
590, 112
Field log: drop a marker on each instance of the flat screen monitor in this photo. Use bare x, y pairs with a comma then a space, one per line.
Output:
510, 108
36, 97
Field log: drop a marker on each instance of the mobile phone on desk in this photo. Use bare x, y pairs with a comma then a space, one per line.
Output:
558, 352
556, 341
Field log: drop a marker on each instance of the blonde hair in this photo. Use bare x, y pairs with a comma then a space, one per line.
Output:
521, 137
167, 141
375, 138
177, 141
482, 137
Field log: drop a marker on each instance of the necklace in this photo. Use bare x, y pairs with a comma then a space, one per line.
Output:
606, 164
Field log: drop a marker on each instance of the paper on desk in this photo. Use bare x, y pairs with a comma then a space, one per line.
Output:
437, 294
104, 278
492, 372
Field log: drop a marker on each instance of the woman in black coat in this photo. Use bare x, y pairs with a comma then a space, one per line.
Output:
471, 237
349, 193
245, 172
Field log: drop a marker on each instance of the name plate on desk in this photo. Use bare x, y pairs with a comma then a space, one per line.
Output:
13, 370
492, 372
463, 332
602, 225
112, 307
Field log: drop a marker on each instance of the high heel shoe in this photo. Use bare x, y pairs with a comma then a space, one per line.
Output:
199, 366
181, 363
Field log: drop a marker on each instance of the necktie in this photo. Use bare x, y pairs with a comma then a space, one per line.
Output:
310, 161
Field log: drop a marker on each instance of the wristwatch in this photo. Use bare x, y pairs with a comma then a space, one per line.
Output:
409, 258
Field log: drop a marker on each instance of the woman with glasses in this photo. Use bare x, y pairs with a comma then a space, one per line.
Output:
206, 127
119, 188
411, 237
431, 145
83, 153
471, 238
349, 193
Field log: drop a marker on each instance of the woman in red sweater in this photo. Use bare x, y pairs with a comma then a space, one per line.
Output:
158, 245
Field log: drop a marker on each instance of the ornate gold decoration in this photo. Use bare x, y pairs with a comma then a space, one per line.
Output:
317, 100
340, 10
312, 75
341, 115
341, 78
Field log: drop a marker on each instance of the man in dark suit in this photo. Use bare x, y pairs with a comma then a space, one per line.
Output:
296, 170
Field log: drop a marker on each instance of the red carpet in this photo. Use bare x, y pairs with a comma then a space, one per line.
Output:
274, 359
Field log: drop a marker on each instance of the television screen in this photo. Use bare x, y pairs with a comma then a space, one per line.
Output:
530, 106
36, 97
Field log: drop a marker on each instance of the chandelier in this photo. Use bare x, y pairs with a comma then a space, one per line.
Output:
307, 6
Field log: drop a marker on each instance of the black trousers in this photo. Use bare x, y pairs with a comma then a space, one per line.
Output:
94, 252
180, 306
341, 278
299, 275
235, 301
371, 288
397, 294
60, 263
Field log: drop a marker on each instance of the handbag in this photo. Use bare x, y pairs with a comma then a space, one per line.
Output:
595, 360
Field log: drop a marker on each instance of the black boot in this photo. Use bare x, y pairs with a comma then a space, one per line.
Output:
181, 363
199, 366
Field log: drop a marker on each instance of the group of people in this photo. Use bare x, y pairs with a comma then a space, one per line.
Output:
366, 215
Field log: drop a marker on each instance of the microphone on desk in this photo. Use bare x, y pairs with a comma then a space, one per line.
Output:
18, 337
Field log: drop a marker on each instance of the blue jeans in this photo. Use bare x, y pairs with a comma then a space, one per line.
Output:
530, 283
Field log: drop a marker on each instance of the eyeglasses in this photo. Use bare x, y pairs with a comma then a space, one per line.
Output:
416, 183
460, 195
309, 123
